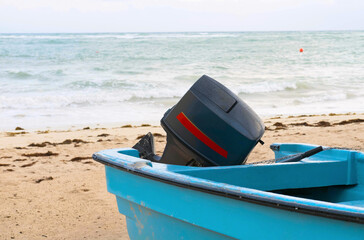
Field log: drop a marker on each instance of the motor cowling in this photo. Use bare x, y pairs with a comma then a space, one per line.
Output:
209, 126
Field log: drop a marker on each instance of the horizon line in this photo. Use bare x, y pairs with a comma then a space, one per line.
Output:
237, 31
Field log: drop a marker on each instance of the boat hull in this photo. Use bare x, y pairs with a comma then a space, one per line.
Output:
156, 209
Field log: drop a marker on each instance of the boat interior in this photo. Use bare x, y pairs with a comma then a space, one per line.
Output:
333, 175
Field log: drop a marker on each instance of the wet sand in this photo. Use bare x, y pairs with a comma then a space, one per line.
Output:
51, 188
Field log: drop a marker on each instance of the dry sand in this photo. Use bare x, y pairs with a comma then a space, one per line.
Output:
51, 188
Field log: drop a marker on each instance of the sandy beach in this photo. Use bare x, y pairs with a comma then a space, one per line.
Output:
51, 188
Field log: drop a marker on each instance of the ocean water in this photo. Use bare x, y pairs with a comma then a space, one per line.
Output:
63, 80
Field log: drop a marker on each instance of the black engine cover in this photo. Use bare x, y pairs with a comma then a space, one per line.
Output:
210, 126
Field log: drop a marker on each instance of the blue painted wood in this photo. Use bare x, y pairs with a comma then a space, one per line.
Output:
157, 209
279, 176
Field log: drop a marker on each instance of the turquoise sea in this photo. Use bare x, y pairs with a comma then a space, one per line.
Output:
111, 79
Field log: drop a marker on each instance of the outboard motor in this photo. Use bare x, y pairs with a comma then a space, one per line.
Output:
209, 126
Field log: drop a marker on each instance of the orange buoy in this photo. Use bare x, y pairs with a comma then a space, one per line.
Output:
301, 49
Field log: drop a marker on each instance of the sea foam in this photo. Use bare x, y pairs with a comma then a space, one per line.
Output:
80, 79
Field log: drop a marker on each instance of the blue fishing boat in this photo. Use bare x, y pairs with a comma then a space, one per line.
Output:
202, 188
320, 197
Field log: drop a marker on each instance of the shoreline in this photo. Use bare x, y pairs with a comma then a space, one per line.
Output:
51, 188
67, 128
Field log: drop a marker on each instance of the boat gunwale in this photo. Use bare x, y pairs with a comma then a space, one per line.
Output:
338, 214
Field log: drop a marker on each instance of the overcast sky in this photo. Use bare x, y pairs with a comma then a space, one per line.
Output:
24, 16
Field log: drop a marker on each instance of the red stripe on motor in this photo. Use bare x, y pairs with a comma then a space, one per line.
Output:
200, 135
